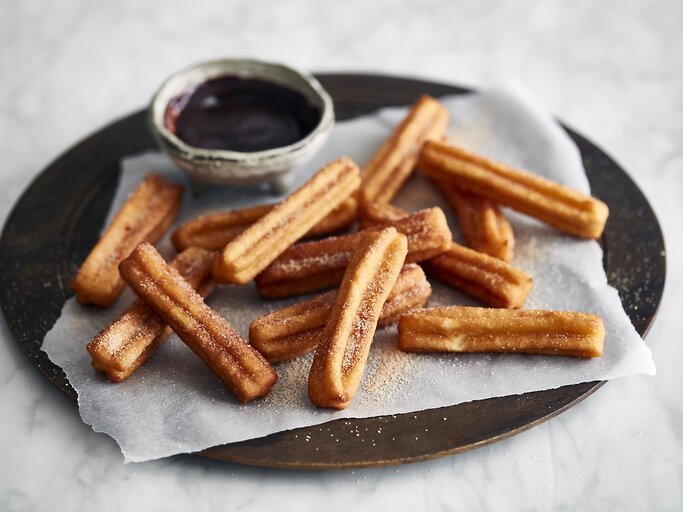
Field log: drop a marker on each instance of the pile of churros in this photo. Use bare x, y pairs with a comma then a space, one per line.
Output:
370, 259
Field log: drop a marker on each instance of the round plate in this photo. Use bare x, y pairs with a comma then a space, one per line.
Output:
59, 217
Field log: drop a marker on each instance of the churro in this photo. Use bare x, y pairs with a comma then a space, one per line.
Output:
344, 344
482, 223
215, 230
130, 340
262, 242
373, 214
145, 216
547, 201
340, 218
294, 330
458, 329
314, 266
241, 368
394, 162
491, 280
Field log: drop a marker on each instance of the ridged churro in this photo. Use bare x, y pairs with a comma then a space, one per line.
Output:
262, 242
314, 266
562, 207
243, 370
340, 218
215, 230
294, 330
491, 280
482, 223
458, 329
130, 340
145, 216
344, 344
373, 214
394, 162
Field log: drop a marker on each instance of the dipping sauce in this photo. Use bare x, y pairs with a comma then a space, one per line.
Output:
240, 114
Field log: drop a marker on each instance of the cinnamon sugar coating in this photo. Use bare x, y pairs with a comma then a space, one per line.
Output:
215, 230
294, 330
460, 329
241, 368
482, 223
562, 207
262, 242
484, 277
145, 216
375, 213
130, 340
489, 279
394, 162
313, 266
344, 344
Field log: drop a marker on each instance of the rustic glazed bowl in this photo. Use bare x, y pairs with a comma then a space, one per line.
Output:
233, 167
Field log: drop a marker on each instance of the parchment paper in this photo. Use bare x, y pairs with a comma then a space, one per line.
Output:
174, 404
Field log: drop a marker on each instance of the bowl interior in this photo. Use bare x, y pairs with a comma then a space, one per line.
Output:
187, 79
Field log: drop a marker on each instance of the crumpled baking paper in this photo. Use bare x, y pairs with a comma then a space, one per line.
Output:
174, 404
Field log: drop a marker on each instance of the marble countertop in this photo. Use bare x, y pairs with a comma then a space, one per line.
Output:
612, 70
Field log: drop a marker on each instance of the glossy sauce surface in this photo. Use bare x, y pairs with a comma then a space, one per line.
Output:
240, 114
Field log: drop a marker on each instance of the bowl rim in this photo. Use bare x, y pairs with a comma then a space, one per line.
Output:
169, 141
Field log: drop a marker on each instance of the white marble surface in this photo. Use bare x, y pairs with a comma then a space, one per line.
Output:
611, 69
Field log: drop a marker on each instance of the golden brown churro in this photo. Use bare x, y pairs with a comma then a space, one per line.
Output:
261, 243
313, 266
344, 344
482, 223
215, 230
458, 329
373, 214
484, 277
130, 340
550, 202
243, 370
342, 217
294, 330
145, 216
493, 281
395, 161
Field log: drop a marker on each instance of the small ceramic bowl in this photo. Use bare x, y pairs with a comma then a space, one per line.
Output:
234, 167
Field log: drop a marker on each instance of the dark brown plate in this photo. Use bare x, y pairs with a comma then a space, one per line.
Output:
58, 219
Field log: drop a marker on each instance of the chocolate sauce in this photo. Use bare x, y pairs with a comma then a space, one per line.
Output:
240, 114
